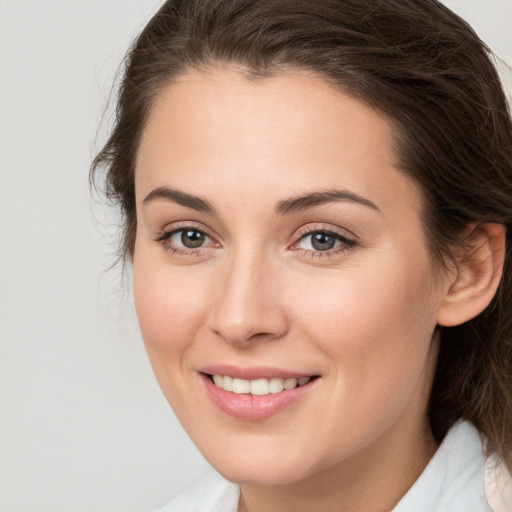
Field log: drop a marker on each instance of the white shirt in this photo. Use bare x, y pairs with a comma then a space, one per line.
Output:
457, 479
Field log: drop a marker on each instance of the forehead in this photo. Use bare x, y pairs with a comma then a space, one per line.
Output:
278, 135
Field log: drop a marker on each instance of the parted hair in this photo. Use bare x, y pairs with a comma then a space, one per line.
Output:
427, 71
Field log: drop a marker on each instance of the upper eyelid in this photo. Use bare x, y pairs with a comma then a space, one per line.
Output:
309, 229
303, 231
182, 225
344, 241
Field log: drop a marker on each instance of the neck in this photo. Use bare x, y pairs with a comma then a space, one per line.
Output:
373, 480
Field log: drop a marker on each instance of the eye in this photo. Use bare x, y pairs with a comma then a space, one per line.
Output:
186, 240
320, 241
317, 241
189, 238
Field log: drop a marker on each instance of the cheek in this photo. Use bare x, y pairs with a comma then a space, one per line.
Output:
168, 309
166, 302
364, 304
375, 327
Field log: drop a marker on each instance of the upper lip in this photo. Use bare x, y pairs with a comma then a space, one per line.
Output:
252, 372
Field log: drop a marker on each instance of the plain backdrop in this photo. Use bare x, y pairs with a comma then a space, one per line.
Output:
83, 425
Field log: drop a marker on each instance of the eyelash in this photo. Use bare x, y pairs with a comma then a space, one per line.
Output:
165, 236
345, 243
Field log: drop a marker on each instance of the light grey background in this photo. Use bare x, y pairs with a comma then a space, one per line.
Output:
83, 425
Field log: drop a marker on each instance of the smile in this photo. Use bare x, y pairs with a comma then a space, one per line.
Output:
259, 395
258, 387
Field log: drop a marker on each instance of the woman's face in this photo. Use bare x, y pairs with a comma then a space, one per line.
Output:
276, 241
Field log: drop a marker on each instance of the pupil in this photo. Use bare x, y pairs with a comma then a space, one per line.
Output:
192, 239
322, 241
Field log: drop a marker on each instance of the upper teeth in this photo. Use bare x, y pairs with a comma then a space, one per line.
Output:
258, 386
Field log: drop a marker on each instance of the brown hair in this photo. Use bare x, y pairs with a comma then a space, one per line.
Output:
432, 76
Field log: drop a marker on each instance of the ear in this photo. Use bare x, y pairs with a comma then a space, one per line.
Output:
479, 267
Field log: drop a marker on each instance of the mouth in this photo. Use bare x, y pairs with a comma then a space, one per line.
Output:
258, 387
259, 397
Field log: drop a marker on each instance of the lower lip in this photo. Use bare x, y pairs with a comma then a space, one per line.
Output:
254, 407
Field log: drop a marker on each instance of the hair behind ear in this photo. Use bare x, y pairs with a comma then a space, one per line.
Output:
473, 378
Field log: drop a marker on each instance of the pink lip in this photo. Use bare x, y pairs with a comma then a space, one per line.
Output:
251, 373
252, 407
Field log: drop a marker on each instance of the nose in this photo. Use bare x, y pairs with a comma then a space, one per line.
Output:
247, 305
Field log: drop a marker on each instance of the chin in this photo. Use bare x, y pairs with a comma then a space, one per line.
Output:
262, 466
259, 474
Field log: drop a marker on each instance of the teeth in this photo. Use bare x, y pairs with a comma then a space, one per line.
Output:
290, 383
276, 385
227, 383
258, 387
241, 386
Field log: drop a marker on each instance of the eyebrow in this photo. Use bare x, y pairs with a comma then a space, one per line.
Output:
284, 207
310, 200
181, 198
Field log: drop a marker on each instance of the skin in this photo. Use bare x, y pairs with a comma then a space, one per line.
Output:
361, 316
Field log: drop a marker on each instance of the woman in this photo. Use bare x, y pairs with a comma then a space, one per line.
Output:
317, 199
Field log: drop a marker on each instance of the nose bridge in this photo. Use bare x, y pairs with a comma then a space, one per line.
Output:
246, 305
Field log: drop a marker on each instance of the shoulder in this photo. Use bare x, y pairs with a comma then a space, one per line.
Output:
212, 493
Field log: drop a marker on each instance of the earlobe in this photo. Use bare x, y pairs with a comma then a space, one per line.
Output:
479, 267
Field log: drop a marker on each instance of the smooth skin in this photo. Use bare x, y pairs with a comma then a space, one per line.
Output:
228, 269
